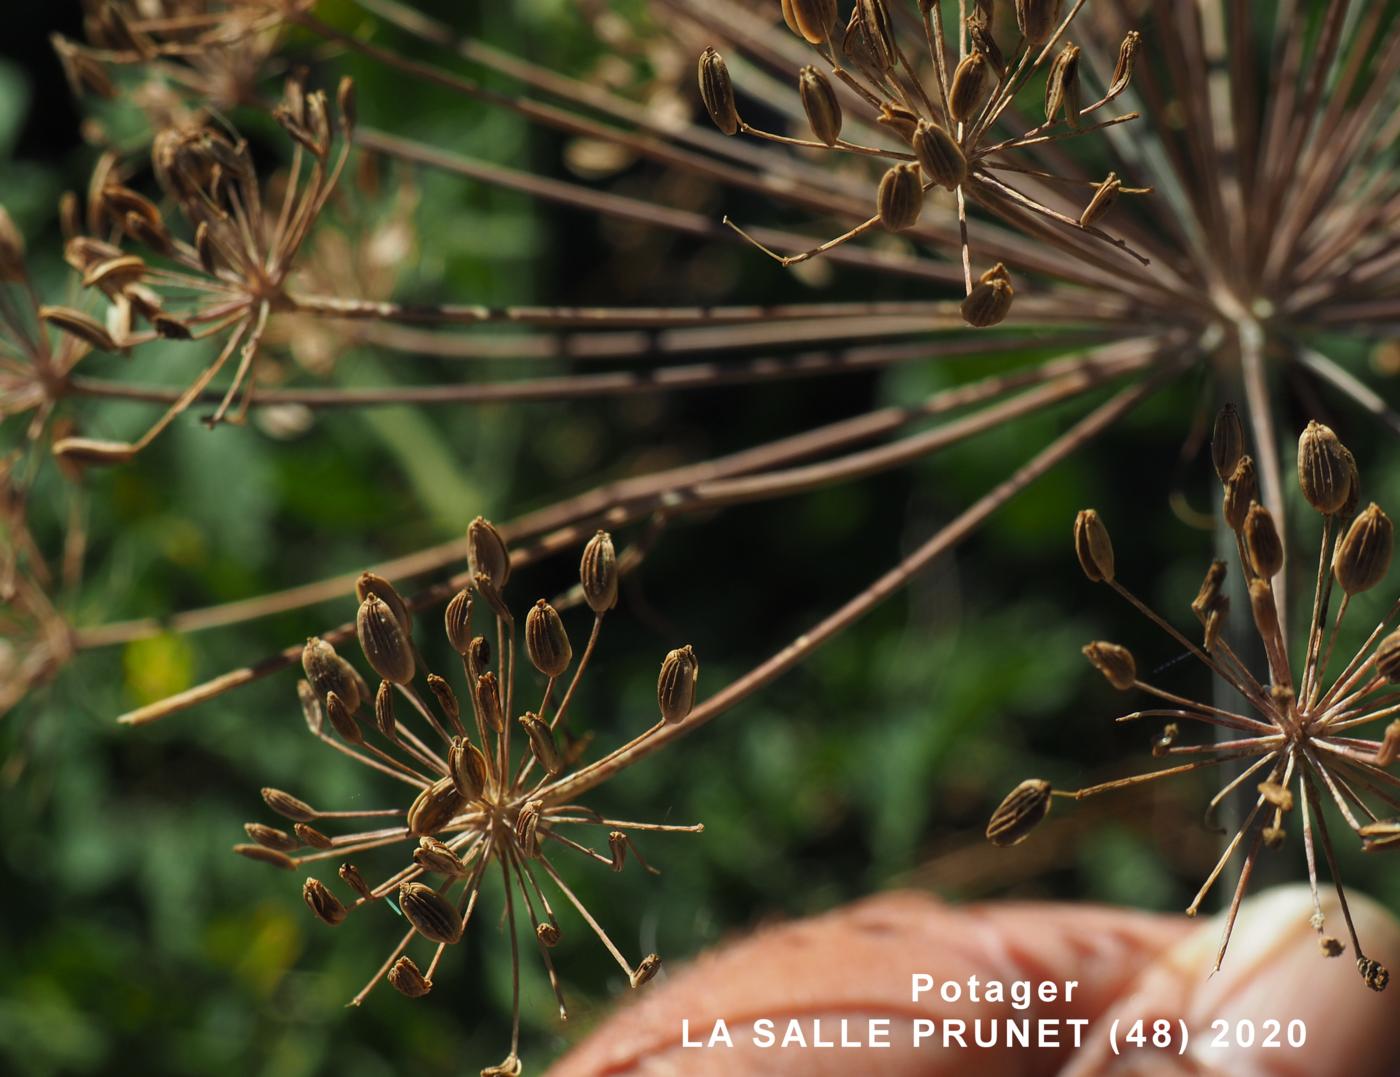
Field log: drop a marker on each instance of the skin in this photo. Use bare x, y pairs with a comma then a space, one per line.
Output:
857, 962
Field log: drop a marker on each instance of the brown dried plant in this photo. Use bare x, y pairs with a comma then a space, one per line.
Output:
479, 805
1294, 739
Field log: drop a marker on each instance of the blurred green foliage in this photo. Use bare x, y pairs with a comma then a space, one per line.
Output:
133, 941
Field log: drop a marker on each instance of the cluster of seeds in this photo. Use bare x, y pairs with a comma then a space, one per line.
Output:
943, 137
1298, 745
479, 804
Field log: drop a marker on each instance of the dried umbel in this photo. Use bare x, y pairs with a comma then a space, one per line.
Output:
948, 124
1297, 741
478, 804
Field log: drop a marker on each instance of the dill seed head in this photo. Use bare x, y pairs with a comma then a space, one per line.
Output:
1241, 491
989, 302
675, 686
405, 978
939, 154
1262, 542
1114, 662
597, 573
1093, 546
900, 197
322, 902
1037, 19
717, 91
1363, 558
1227, 441
1020, 813
546, 641
431, 915
821, 105
1324, 473
382, 639
969, 86
487, 552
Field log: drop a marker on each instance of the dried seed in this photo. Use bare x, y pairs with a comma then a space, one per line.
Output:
407, 980
1273, 836
1227, 441
488, 701
1241, 491
1348, 508
597, 573
1389, 750
675, 687
1114, 662
345, 104
542, 743
487, 552
1388, 657
322, 902
77, 324
1167, 738
1379, 836
328, 672
342, 721
384, 719
1037, 19
1375, 975
204, 247
1020, 813
969, 85
875, 25
351, 877
898, 119
527, 828
980, 34
287, 806
546, 641
1123, 68
1211, 591
435, 807
458, 621
270, 837
1262, 542
647, 968
939, 154
989, 302
264, 855
1062, 86
1324, 474
1277, 795
385, 644
168, 327
1363, 558
1330, 947
1093, 546
900, 197
435, 857
371, 583
820, 103
446, 698
431, 914
1264, 608
469, 768
717, 91
548, 934
309, 835
1105, 194
812, 19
